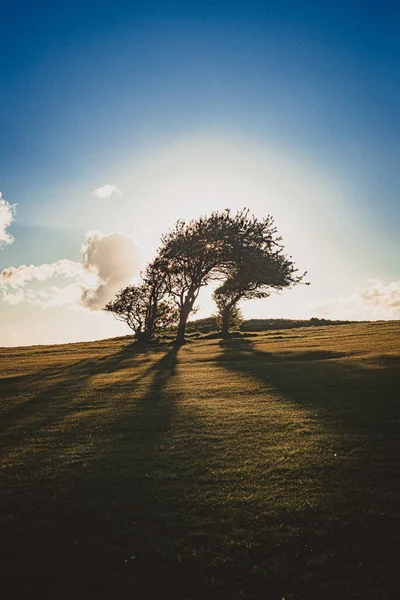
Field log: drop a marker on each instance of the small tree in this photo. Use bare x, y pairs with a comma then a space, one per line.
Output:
228, 317
261, 271
143, 307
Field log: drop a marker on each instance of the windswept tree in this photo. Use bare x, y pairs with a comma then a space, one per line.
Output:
144, 307
192, 254
228, 317
261, 271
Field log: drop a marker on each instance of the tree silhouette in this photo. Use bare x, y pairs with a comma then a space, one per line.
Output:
144, 307
261, 271
217, 246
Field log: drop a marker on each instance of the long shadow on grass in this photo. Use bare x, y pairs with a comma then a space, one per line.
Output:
343, 393
355, 552
113, 361
71, 531
114, 525
48, 395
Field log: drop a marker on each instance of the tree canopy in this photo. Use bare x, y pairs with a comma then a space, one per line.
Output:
242, 251
261, 271
144, 308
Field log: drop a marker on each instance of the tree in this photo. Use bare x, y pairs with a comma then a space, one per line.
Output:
261, 271
194, 253
143, 306
228, 317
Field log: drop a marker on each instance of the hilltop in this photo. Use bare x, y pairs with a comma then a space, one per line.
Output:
209, 324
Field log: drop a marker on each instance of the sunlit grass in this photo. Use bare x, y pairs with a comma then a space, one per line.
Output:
261, 467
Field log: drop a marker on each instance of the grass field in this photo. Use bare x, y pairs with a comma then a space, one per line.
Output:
263, 467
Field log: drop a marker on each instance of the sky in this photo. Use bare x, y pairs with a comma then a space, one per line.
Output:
117, 119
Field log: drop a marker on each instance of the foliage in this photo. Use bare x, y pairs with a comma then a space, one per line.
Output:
143, 307
261, 269
190, 256
217, 246
244, 251
228, 317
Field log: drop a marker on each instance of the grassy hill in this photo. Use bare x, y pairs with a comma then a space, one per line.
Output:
265, 467
209, 324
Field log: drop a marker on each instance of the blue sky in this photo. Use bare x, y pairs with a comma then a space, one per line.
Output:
140, 95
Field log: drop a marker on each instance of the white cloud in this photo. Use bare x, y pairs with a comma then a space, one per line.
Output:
19, 284
382, 295
12, 297
115, 259
68, 296
377, 300
109, 262
17, 277
7, 212
107, 191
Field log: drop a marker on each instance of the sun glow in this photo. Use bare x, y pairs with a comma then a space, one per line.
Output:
199, 175
204, 173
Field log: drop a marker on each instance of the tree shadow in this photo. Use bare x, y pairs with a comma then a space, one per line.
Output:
355, 404
90, 522
48, 395
116, 525
360, 397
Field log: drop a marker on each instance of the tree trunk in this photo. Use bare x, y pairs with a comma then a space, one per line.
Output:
180, 336
183, 317
150, 327
141, 336
225, 322
150, 319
